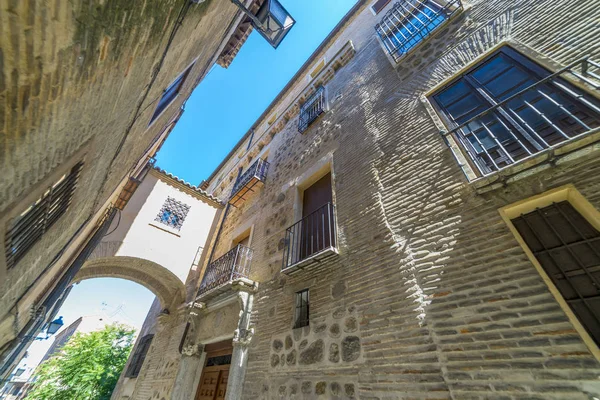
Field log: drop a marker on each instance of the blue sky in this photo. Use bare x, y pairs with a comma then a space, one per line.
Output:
226, 104
219, 112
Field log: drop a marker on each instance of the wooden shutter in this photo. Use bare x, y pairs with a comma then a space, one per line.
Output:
138, 356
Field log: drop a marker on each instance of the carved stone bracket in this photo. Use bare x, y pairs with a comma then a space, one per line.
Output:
243, 337
192, 350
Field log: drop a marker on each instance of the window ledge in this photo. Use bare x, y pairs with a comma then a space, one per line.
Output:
555, 156
164, 228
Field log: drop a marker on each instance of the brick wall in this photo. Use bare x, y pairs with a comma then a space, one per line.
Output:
79, 76
446, 302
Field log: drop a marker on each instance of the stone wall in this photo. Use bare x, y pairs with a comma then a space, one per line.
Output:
447, 303
81, 80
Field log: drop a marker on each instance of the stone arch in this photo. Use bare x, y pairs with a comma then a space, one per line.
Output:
163, 283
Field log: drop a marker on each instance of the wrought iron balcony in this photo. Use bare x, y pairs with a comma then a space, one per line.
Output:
311, 109
544, 115
220, 273
409, 22
247, 182
311, 239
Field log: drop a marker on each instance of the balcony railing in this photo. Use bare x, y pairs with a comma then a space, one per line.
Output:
542, 116
233, 265
254, 175
310, 239
311, 109
409, 22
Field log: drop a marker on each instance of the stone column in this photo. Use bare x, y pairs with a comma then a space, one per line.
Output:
241, 341
192, 359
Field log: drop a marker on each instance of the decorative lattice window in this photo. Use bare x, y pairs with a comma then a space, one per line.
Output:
172, 213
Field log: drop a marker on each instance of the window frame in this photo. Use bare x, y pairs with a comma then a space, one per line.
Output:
311, 106
582, 206
176, 83
299, 307
448, 10
171, 204
532, 63
139, 356
373, 3
36, 210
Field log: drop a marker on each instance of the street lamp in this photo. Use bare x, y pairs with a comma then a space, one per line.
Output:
272, 20
54, 326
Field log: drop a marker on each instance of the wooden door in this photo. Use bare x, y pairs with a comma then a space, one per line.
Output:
222, 385
213, 382
317, 217
208, 385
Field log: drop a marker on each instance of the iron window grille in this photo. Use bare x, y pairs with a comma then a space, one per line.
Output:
170, 93
567, 247
313, 235
232, 265
508, 108
409, 22
219, 360
137, 360
311, 109
172, 213
245, 184
301, 310
26, 229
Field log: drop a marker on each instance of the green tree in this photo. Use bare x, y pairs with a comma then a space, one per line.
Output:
86, 368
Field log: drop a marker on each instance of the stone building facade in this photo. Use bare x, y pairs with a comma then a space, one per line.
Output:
88, 93
451, 161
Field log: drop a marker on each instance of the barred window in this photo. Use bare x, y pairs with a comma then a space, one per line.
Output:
137, 360
311, 109
409, 22
301, 313
567, 247
507, 108
27, 228
172, 213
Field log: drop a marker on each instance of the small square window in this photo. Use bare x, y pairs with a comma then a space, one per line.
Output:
172, 213
301, 310
379, 5
170, 93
